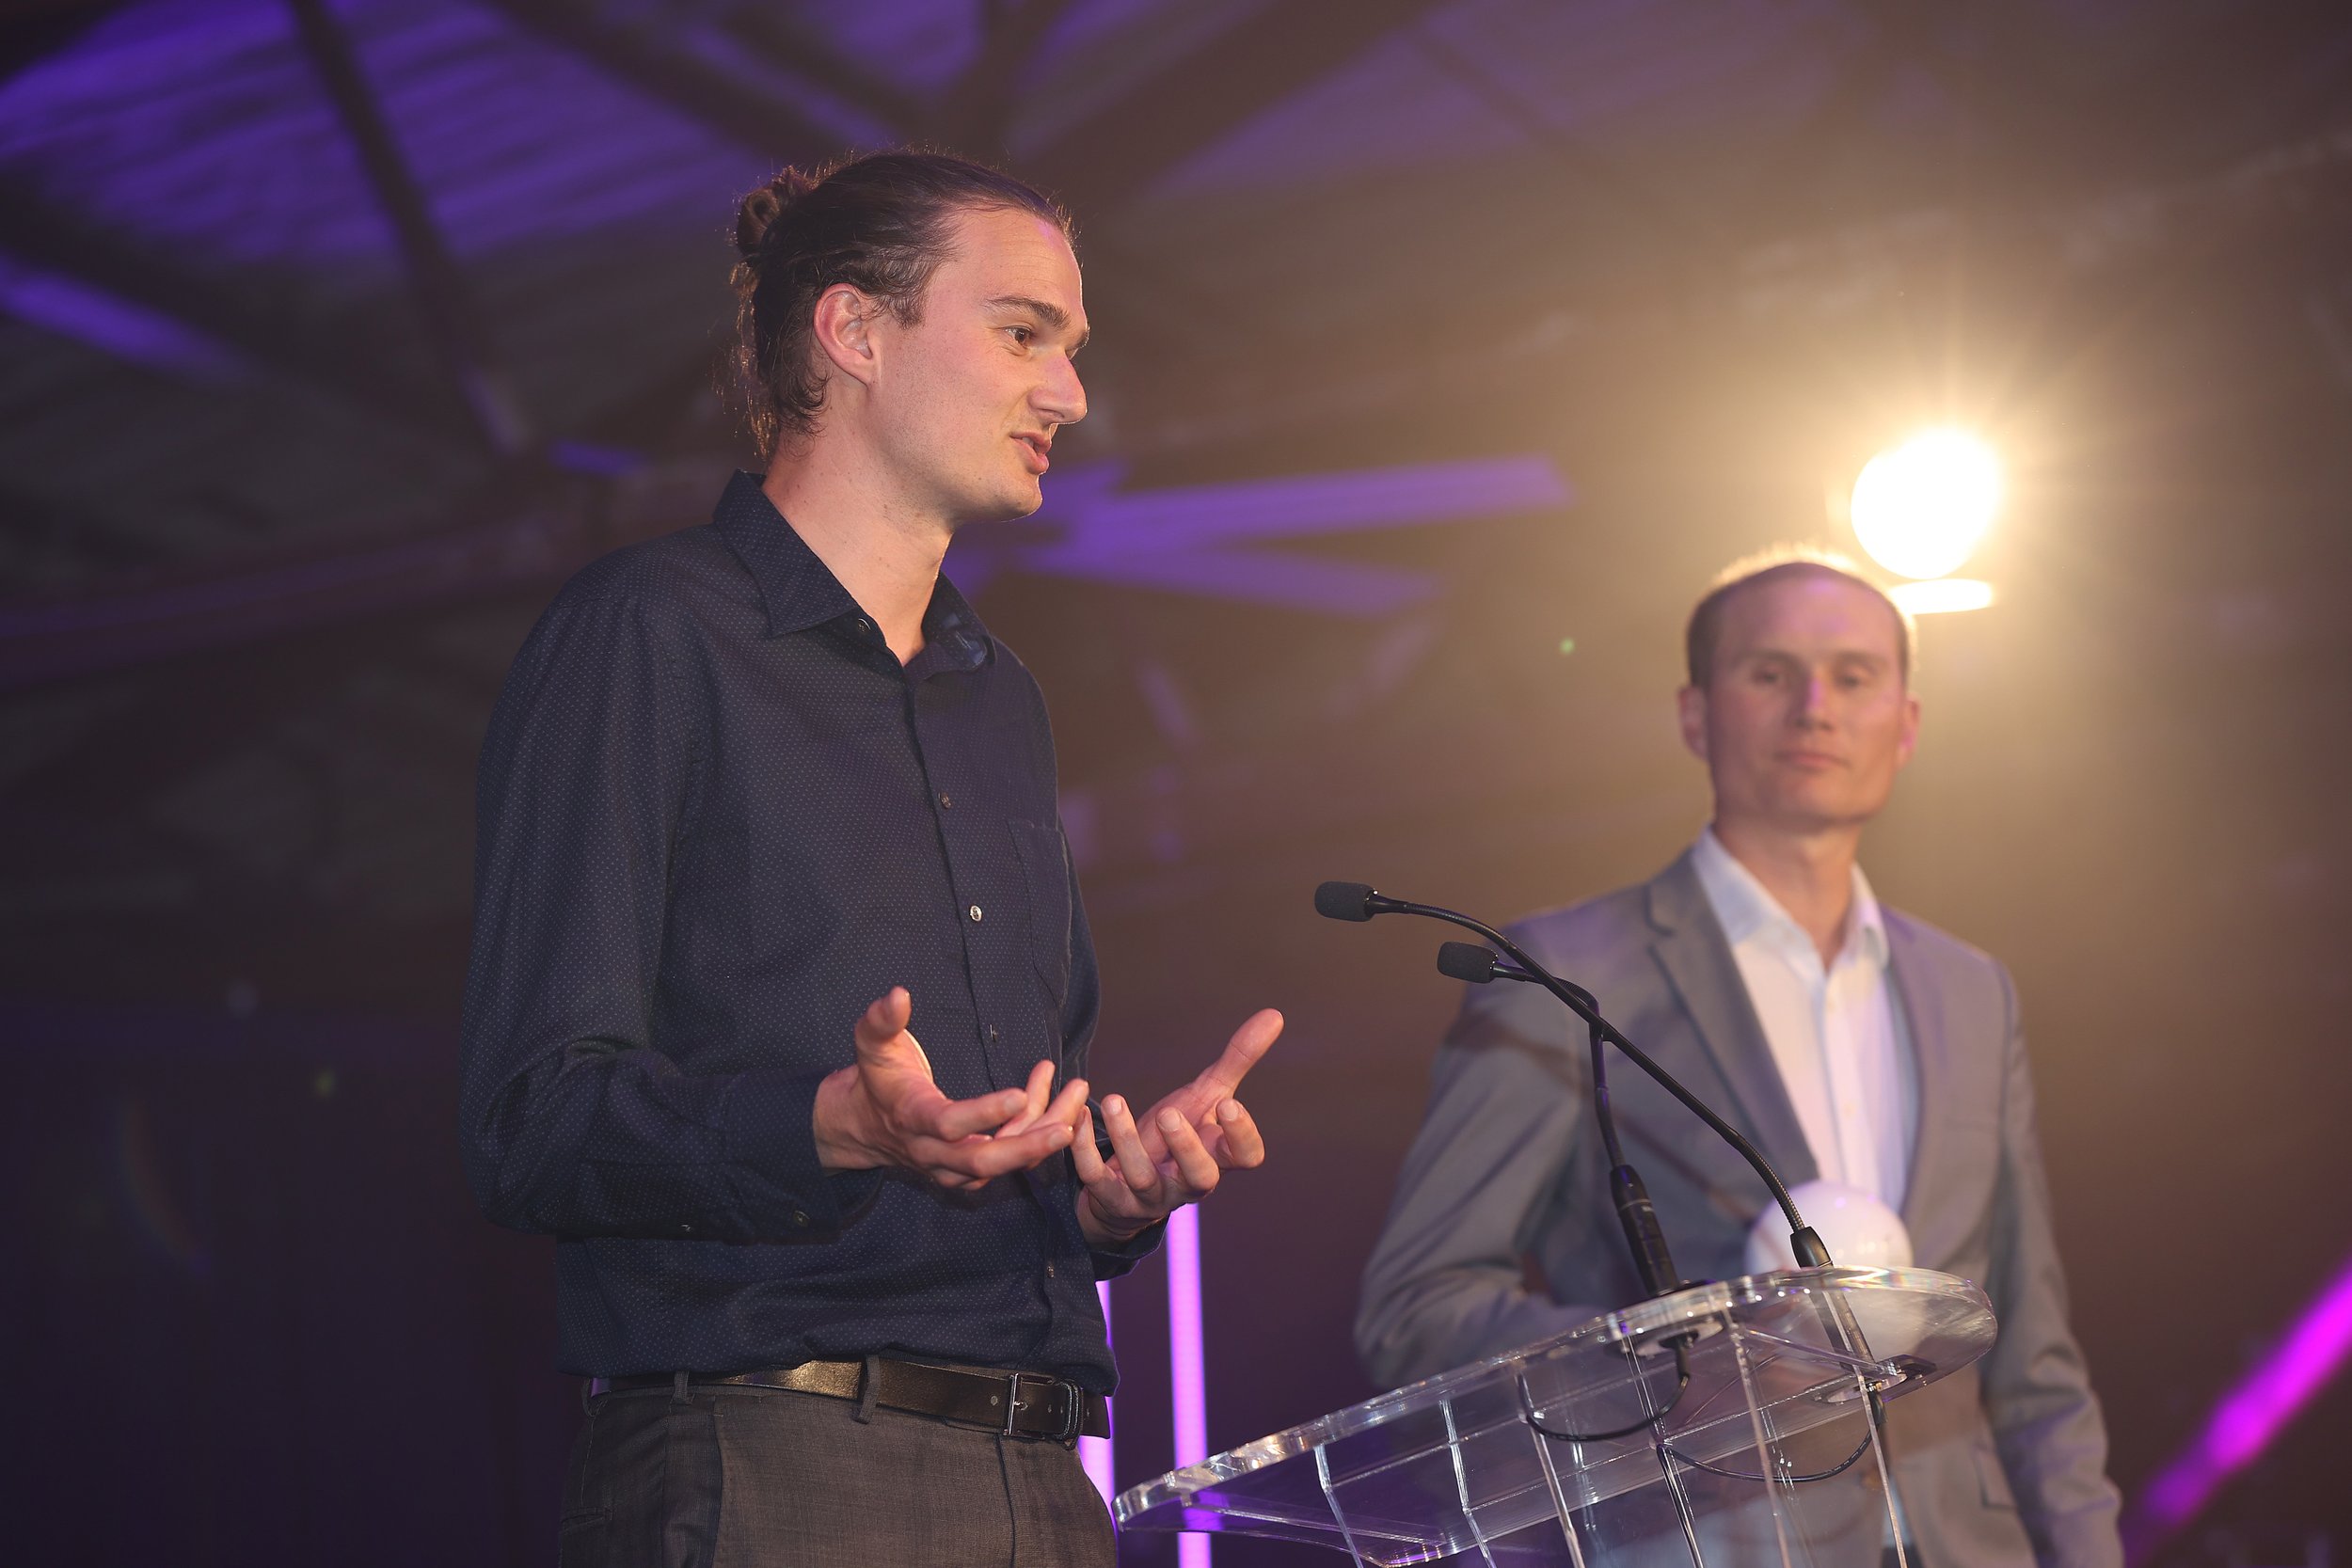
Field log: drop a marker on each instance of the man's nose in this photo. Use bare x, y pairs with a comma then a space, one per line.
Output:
1062, 400
1813, 702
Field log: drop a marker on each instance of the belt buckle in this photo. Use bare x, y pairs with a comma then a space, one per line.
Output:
1073, 1405
1012, 1403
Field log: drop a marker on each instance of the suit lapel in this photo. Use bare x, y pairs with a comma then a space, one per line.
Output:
1692, 949
1924, 1010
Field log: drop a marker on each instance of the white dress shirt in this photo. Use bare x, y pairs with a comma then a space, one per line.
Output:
1842, 1044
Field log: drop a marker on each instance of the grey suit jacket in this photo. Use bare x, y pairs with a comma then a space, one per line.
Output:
2002, 1464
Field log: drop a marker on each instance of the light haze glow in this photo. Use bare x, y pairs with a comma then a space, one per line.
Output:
1942, 596
1921, 509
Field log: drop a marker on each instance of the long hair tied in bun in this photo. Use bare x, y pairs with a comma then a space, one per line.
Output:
761, 209
879, 223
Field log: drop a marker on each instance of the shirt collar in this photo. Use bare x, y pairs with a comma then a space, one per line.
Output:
799, 590
952, 626
1746, 907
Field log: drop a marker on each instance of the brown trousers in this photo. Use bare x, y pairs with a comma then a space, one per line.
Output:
730, 1478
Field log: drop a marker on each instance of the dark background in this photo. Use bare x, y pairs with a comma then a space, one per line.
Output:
333, 337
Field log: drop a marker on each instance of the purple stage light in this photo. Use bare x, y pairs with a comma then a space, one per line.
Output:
1272, 577
1196, 516
1187, 1380
2247, 1418
115, 327
1094, 1454
582, 457
1207, 538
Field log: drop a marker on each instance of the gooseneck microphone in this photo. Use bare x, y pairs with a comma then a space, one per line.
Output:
1355, 901
1466, 960
1478, 965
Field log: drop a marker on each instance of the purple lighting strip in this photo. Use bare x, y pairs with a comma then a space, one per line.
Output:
72, 308
1094, 1454
1187, 1381
2244, 1422
1212, 538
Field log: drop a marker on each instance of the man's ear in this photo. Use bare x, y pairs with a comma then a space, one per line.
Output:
1907, 742
1690, 715
844, 328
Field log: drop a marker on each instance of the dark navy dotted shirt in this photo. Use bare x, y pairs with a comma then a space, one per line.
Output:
718, 818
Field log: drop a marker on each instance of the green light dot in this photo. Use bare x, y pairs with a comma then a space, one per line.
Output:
1568, 645
324, 1085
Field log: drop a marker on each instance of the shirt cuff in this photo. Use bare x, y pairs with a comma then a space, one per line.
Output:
782, 1190
1109, 1264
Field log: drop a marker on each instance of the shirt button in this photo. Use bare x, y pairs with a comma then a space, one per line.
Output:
975, 915
1049, 1269
799, 1218
994, 1034
685, 1230
946, 801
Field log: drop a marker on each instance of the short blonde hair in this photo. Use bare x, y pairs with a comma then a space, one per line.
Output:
1773, 565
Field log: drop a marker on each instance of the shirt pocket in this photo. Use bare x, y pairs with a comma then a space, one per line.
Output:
1045, 865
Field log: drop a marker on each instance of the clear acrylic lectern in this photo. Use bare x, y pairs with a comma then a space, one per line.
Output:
1726, 1424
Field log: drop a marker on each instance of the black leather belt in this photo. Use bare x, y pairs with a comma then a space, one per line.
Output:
1019, 1404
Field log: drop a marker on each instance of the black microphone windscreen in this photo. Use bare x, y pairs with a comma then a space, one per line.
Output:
1466, 960
1343, 901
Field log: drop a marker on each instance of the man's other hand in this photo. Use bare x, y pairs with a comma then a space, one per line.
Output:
886, 1109
1178, 1150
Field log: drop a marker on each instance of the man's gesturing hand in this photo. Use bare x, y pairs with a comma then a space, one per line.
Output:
885, 1110
1183, 1143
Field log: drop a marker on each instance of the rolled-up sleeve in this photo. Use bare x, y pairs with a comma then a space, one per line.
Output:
572, 1119
1081, 1011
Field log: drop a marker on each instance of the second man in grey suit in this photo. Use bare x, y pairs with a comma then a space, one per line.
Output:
1851, 1042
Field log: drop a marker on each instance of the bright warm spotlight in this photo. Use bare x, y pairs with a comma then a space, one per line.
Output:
1922, 509
1942, 597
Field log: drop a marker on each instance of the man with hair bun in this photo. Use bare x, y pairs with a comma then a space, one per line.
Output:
1852, 1044
760, 801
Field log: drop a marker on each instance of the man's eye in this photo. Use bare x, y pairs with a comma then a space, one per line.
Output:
1023, 335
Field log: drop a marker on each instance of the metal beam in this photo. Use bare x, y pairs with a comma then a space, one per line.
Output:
2272, 206
38, 29
85, 636
2099, 263
1194, 99
768, 126
980, 108
1686, 244
441, 288
41, 234
523, 532
776, 131
770, 32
